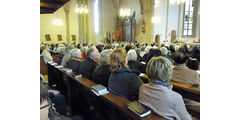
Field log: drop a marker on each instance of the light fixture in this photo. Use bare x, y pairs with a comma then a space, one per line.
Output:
176, 1
124, 12
155, 19
81, 9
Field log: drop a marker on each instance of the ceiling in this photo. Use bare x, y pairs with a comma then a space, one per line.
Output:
50, 6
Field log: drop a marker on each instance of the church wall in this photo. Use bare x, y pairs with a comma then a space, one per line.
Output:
47, 26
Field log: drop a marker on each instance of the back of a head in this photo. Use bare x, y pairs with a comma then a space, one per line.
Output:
164, 50
154, 53
128, 47
159, 69
75, 52
68, 49
85, 49
180, 58
132, 55
147, 49
118, 59
105, 57
91, 51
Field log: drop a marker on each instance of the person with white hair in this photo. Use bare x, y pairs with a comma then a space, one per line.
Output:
46, 54
133, 63
67, 56
87, 67
75, 60
145, 57
164, 53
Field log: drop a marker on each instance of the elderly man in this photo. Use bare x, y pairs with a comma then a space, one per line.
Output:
164, 53
133, 63
75, 60
67, 56
88, 66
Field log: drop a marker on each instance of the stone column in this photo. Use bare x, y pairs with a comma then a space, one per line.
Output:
148, 10
66, 10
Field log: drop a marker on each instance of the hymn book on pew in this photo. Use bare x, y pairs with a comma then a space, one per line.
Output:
68, 70
59, 66
139, 109
77, 76
99, 89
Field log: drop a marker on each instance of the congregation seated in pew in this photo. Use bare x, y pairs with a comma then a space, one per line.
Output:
121, 79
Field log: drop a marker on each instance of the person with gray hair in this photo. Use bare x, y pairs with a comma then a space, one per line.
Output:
102, 72
88, 66
75, 61
67, 56
133, 63
164, 53
46, 54
164, 102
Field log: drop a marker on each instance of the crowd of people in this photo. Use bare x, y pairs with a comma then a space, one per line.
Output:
117, 66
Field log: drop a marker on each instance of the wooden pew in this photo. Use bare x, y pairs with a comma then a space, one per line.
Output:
186, 90
43, 66
113, 100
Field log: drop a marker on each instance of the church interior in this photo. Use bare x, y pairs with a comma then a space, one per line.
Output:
120, 59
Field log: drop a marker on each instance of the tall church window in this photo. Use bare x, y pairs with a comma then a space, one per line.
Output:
97, 15
188, 18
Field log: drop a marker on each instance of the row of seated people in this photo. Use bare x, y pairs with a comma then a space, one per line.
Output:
114, 73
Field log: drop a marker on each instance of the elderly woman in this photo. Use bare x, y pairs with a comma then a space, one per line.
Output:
123, 81
102, 72
164, 53
158, 94
46, 54
75, 61
67, 56
133, 63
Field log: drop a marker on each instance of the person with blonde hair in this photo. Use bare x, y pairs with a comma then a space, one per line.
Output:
102, 71
158, 94
123, 81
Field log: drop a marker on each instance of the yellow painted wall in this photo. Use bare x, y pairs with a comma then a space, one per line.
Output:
47, 26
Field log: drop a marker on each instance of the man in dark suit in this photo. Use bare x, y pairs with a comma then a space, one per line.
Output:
87, 67
75, 61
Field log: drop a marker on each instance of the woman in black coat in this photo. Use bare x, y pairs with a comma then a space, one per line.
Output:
123, 81
102, 72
